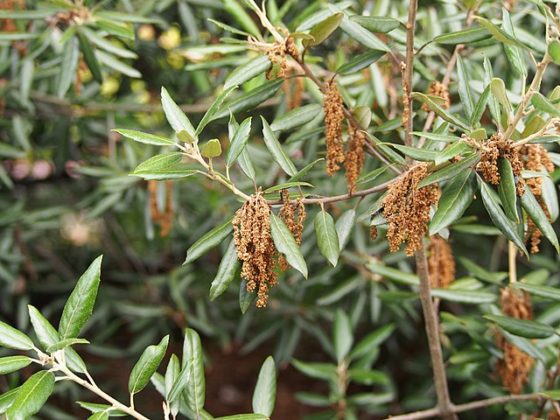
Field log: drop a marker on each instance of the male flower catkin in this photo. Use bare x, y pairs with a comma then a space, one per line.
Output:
497, 147
355, 157
516, 365
441, 264
407, 209
293, 215
334, 115
255, 247
438, 89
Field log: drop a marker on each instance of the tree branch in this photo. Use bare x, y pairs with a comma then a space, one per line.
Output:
407, 79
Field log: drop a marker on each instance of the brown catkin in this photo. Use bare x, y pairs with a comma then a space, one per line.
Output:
293, 215
334, 115
255, 247
441, 264
440, 90
405, 97
162, 218
515, 366
407, 209
355, 157
9, 25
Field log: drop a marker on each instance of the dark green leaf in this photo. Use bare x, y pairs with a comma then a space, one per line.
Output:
175, 115
146, 366
145, 137
193, 360
13, 364
68, 67
507, 189
360, 62
545, 292
450, 171
229, 267
455, 199
327, 237
14, 339
522, 327
465, 36
324, 29
381, 24
264, 396
276, 150
31, 396
533, 208
247, 71
296, 117
342, 334
216, 105
286, 244
62, 344
211, 239
239, 141
89, 57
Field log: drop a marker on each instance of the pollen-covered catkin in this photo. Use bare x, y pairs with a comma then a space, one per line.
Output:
441, 264
438, 89
497, 147
407, 209
515, 366
293, 215
255, 247
162, 218
355, 157
334, 115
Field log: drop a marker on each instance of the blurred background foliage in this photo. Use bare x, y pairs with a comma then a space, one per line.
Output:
66, 197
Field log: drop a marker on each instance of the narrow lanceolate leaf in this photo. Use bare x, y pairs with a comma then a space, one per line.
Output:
296, 117
175, 115
145, 137
286, 244
7, 399
276, 150
508, 228
545, 292
146, 366
89, 57
264, 396
13, 363
216, 105
327, 237
463, 37
513, 54
464, 296
498, 33
479, 108
537, 214
342, 334
371, 341
247, 71
14, 339
193, 361
344, 226
543, 104
381, 24
323, 30
360, 62
208, 241
417, 154
245, 297
68, 66
522, 327
554, 51
239, 141
229, 266
31, 396
62, 344
164, 166
357, 32
455, 199
507, 189
464, 88
79, 305
450, 171
433, 106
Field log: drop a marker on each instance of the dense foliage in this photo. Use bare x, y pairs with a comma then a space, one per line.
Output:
300, 152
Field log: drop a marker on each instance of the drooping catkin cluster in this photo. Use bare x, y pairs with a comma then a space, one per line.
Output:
438, 89
334, 115
355, 157
441, 264
293, 88
293, 215
407, 209
497, 147
277, 56
163, 218
516, 365
255, 247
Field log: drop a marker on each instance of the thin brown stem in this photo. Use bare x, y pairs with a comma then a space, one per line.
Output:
408, 70
512, 262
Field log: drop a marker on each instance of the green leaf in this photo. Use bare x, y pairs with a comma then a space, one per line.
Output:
450, 171
357, 32
211, 239
452, 150
145, 137
175, 115
276, 150
164, 166
344, 226
68, 67
146, 366
463, 86
397, 276
360, 62
89, 57
286, 244
211, 149
508, 228
323, 371
465, 36
479, 108
7, 399
229, 267
498, 88
216, 105
113, 62
522, 327
417, 154
554, 51
513, 54
79, 306
31, 396
264, 396
327, 237
13, 364
239, 141
247, 71
433, 106
193, 361
305, 170
372, 341
296, 117
245, 298
533, 208
380, 24
175, 379
62, 344
235, 9
323, 30
115, 28
545, 292
464, 296
543, 104
507, 189
14, 339
455, 199
498, 33
342, 334
250, 99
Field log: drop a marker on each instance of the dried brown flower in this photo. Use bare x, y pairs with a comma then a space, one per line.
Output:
255, 247
438, 89
535, 158
163, 218
373, 232
405, 97
441, 264
407, 209
516, 365
277, 56
293, 89
293, 215
334, 115
355, 157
